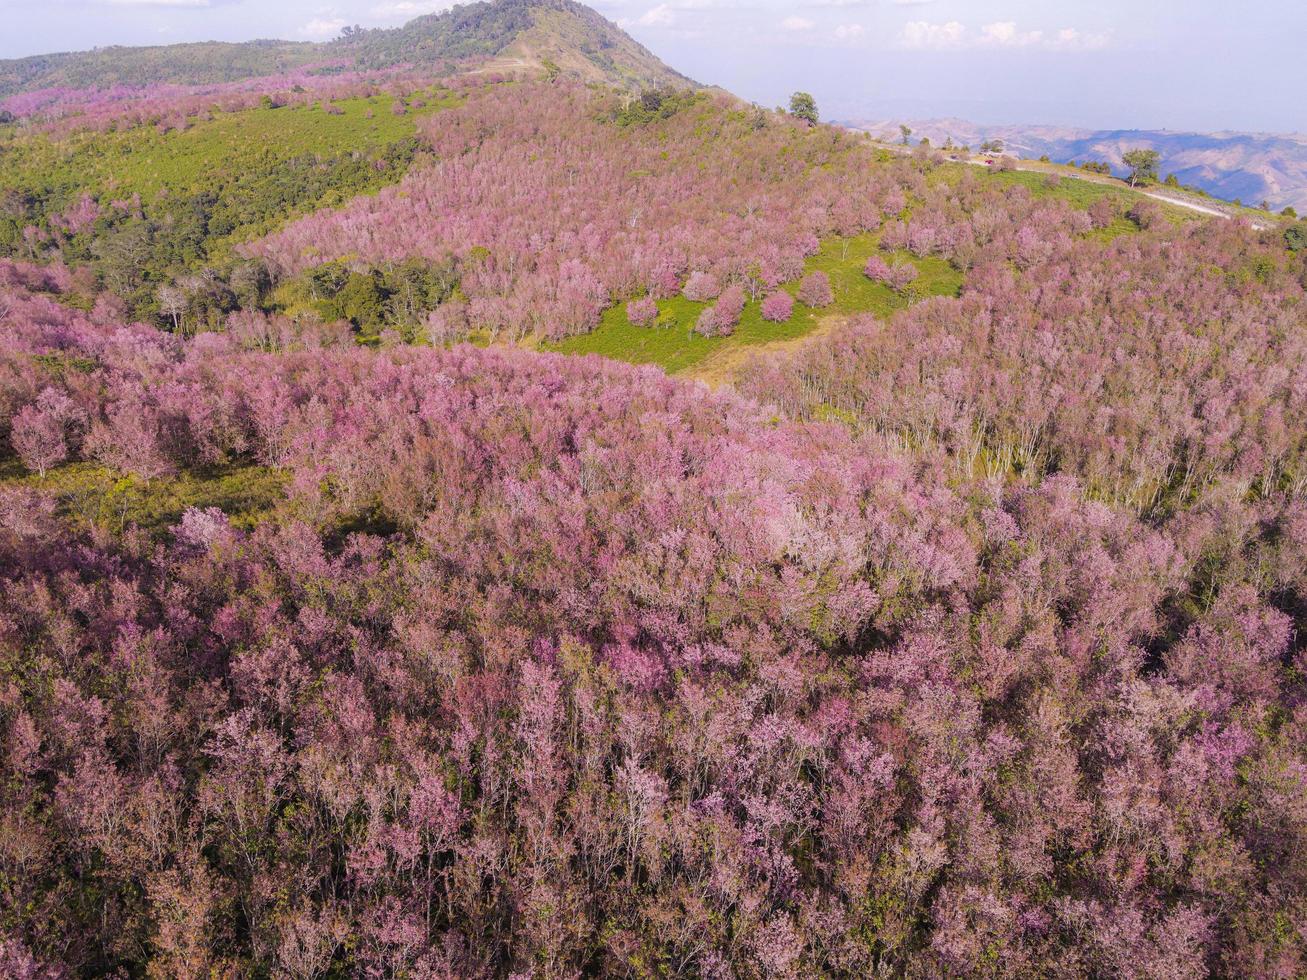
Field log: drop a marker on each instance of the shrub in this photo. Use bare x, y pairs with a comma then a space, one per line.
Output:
877, 269
1103, 212
1145, 214
902, 275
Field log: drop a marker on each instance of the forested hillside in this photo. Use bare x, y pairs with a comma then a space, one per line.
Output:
357, 619
527, 34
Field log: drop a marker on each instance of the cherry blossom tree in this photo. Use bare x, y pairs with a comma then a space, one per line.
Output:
41, 432
778, 307
815, 290
642, 312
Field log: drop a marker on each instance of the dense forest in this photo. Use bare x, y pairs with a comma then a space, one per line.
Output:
351, 625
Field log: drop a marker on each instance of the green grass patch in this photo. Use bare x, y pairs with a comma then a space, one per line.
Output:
1118, 227
238, 174
208, 153
90, 494
1078, 193
672, 343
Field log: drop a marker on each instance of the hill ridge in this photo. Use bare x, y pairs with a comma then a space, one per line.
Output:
524, 34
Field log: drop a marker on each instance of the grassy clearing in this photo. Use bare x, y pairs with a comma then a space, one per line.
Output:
672, 343
1075, 191
90, 494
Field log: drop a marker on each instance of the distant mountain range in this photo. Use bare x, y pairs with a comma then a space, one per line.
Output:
1250, 167
508, 34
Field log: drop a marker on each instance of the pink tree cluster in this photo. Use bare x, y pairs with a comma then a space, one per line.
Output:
898, 276
565, 666
963, 221
702, 198
721, 319
560, 667
1103, 360
174, 106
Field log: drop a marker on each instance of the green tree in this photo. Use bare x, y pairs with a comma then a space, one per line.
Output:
804, 106
361, 301
1143, 165
906, 131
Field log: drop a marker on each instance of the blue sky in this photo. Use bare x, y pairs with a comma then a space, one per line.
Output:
1177, 64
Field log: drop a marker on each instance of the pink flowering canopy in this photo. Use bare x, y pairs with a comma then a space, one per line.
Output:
965, 641
704, 199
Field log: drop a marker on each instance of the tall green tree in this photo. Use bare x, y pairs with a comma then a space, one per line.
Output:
804, 106
1143, 165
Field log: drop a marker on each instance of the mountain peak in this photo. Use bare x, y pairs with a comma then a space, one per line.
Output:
518, 35
490, 35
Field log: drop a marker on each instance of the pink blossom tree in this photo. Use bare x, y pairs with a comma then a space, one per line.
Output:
815, 290
41, 432
701, 287
778, 307
642, 312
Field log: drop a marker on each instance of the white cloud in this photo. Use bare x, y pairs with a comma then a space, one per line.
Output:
849, 32
835, 3
1005, 34
160, 3
912, 3
922, 35
797, 24
659, 16
321, 28
1070, 38
408, 9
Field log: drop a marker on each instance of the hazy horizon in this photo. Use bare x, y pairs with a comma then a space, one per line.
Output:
1109, 66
